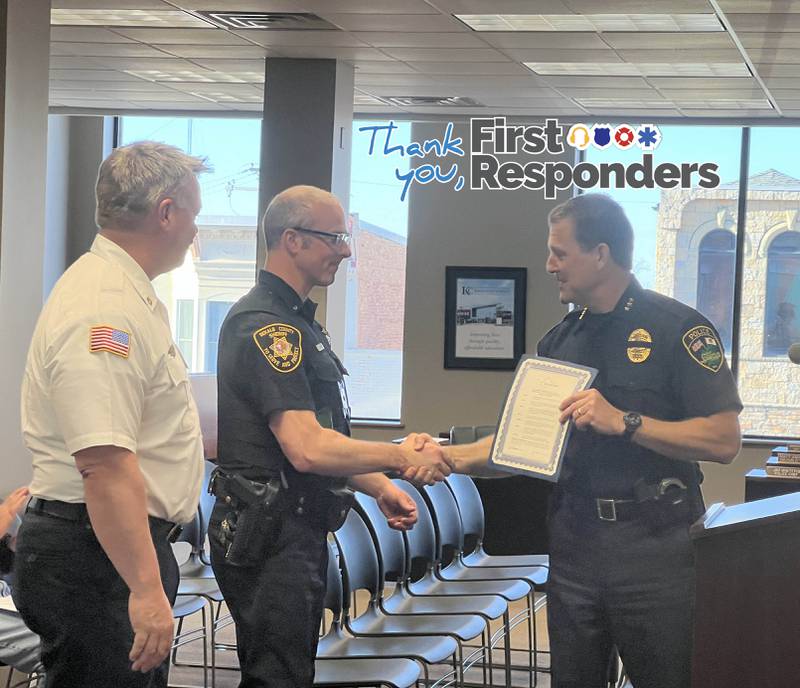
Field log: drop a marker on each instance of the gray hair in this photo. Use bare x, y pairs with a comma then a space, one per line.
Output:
134, 179
292, 207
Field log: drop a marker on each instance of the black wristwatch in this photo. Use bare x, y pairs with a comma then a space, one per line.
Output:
633, 421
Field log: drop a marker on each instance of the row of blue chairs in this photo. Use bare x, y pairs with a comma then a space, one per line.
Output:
426, 619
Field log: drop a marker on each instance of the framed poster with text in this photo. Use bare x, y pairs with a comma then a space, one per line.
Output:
484, 317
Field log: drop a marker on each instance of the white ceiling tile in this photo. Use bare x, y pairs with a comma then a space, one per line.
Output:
543, 55
196, 104
100, 75
225, 52
366, 80
677, 82
475, 68
510, 84
74, 62
165, 17
735, 114
781, 56
104, 50
541, 39
759, 6
243, 90
164, 96
646, 115
446, 55
381, 67
524, 102
698, 56
766, 70
767, 23
394, 22
185, 36
769, 40
388, 39
110, 105
126, 86
313, 52
669, 41
617, 82
426, 89
785, 93
164, 62
783, 82
340, 39
605, 92
503, 6
106, 4
714, 94
240, 5
222, 65
368, 6
638, 6
86, 34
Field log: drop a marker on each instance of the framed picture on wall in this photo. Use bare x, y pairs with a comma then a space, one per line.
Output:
484, 317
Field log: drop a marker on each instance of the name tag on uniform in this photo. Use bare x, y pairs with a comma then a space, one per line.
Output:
320, 347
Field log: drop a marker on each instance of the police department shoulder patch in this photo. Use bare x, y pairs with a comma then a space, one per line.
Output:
703, 346
281, 345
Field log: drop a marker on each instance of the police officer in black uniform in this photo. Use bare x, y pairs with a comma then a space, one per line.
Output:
284, 447
621, 562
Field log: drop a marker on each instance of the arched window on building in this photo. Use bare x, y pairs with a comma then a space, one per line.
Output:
783, 294
715, 276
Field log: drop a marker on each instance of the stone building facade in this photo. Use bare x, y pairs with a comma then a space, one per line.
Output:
768, 384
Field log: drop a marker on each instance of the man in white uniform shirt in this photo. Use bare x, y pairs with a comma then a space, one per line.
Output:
108, 415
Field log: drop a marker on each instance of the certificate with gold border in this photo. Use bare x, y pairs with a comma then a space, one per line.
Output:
529, 438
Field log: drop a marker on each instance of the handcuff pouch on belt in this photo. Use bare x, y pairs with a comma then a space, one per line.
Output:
338, 502
669, 491
254, 521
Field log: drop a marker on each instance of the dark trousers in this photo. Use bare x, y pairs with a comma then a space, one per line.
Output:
628, 584
277, 604
68, 591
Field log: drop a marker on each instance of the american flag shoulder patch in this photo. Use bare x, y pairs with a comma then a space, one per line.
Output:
110, 339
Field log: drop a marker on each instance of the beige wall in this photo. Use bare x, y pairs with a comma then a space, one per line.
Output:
479, 228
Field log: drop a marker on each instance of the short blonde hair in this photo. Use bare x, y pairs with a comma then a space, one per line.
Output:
134, 179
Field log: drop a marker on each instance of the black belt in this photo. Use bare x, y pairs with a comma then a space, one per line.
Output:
77, 513
667, 493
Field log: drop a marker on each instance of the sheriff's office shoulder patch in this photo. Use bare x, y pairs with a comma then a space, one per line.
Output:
281, 345
639, 345
703, 346
110, 339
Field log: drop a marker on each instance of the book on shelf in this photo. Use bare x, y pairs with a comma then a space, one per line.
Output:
788, 453
781, 469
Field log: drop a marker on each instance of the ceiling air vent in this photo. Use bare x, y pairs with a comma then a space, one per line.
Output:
268, 21
431, 101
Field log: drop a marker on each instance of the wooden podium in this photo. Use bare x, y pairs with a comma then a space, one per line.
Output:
747, 621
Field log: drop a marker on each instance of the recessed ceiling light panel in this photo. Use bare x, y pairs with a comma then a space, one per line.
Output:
591, 22
679, 69
162, 19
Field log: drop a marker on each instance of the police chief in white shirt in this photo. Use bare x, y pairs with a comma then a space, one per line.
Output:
108, 416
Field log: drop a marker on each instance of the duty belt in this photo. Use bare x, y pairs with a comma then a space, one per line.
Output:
666, 492
77, 513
